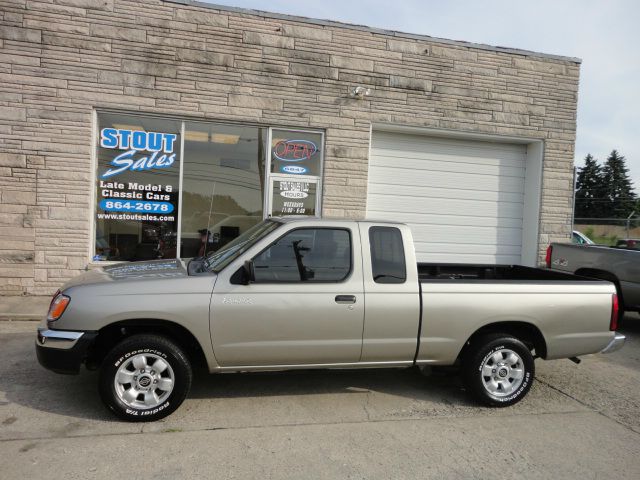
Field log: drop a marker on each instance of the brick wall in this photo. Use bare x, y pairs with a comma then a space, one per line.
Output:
60, 59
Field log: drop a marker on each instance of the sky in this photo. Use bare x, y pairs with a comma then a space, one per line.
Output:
605, 34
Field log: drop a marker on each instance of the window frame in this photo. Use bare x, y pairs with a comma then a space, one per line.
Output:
402, 251
300, 282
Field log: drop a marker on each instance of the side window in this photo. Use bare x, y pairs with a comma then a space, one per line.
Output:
306, 255
387, 255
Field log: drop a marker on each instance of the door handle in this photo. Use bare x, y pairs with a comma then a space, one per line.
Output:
345, 299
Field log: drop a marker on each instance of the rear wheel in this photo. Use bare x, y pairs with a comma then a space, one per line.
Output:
498, 370
144, 378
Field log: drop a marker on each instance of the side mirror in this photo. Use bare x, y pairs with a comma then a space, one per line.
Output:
249, 272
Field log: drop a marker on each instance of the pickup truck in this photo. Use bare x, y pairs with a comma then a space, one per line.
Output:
304, 293
621, 266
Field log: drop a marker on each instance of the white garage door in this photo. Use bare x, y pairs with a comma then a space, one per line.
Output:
462, 198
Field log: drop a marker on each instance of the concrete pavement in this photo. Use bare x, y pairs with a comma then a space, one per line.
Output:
579, 421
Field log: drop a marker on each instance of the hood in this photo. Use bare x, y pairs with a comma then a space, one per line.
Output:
151, 270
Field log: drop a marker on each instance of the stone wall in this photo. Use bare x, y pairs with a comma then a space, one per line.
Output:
61, 59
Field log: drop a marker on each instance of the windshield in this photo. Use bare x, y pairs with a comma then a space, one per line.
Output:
216, 261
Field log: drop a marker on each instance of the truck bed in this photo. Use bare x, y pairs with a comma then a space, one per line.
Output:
428, 272
571, 312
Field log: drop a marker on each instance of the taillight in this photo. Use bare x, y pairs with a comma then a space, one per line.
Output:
548, 258
615, 311
57, 307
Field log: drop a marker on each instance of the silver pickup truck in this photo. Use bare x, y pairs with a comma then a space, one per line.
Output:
296, 293
621, 266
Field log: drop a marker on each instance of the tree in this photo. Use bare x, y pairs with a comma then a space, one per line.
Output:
589, 190
618, 188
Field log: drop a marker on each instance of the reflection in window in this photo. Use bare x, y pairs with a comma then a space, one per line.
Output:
223, 184
306, 255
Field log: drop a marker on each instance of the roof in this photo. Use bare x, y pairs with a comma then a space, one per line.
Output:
381, 31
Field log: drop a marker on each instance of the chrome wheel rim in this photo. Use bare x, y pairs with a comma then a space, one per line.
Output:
144, 381
502, 372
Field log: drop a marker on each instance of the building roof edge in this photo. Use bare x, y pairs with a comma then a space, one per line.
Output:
393, 33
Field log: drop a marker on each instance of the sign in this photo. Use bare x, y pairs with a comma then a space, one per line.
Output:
124, 190
294, 169
160, 148
294, 150
294, 189
292, 197
296, 153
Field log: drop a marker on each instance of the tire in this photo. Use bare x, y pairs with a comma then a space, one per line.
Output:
133, 389
506, 384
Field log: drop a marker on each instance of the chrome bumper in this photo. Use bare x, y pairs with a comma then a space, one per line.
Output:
58, 339
615, 344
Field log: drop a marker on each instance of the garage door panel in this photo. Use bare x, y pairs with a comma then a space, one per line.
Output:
438, 145
451, 206
399, 140
463, 199
426, 178
477, 235
446, 165
437, 193
464, 249
431, 219
409, 158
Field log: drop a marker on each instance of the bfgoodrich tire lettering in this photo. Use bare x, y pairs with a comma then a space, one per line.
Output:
498, 370
144, 378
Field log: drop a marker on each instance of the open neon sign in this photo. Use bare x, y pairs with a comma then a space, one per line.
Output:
294, 150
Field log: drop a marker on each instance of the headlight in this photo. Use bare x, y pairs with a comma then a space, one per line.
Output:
57, 307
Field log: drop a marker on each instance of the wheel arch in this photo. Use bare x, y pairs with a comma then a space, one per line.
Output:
110, 335
526, 332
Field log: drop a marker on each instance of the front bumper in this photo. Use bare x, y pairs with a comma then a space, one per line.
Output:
63, 351
615, 344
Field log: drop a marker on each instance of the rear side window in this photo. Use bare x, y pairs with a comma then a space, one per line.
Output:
387, 255
306, 255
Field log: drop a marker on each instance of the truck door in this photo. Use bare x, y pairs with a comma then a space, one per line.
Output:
306, 305
392, 294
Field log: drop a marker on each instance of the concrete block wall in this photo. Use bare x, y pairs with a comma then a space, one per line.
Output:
61, 59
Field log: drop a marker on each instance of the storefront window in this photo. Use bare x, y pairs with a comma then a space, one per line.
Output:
223, 184
230, 178
137, 187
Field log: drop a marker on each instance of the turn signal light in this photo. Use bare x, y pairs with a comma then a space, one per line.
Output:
57, 307
615, 312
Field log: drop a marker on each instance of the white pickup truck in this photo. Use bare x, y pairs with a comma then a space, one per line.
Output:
296, 293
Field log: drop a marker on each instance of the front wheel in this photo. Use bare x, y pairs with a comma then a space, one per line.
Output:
144, 378
498, 370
